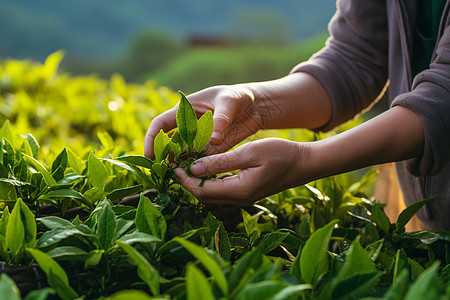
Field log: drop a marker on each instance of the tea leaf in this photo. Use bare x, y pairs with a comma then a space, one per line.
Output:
40, 168
222, 242
106, 225
398, 289
380, 218
137, 160
75, 162
205, 127
206, 260
145, 270
357, 261
261, 290
356, 287
314, 256
197, 286
272, 240
47, 263
97, 174
8, 288
60, 160
186, 121
409, 212
426, 286
160, 146
63, 289
149, 219
21, 228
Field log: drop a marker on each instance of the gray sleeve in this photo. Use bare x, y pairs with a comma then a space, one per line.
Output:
430, 98
352, 66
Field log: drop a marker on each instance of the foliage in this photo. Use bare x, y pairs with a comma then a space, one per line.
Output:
324, 240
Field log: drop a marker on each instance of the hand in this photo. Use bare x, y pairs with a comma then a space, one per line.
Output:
234, 113
266, 167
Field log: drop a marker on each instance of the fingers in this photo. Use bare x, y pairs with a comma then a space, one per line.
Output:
237, 159
226, 109
165, 121
230, 190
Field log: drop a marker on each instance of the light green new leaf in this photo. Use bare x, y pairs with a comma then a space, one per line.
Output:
63, 289
32, 142
197, 285
206, 260
8, 288
160, 146
130, 294
75, 162
314, 256
5, 133
48, 264
21, 228
93, 258
149, 219
205, 127
145, 270
186, 121
40, 168
97, 173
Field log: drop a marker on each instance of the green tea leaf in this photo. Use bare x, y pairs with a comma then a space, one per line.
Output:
416, 268
160, 146
356, 286
63, 289
261, 290
5, 132
398, 289
186, 121
106, 225
292, 291
272, 240
409, 212
145, 270
139, 237
197, 286
7, 190
357, 261
93, 258
314, 256
53, 222
206, 260
70, 253
137, 160
41, 294
34, 145
21, 228
251, 226
47, 263
222, 242
373, 250
149, 219
130, 294
8, 288
97, 173
40, 168
380, 218
134, 170
205, 127
60, 161
121, 193
250, 261
426, 286
75, 162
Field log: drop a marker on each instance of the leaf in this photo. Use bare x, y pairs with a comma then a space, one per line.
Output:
373, 250
149, 219
53, 222
121, 193
160, 169
272, 240
106, 225
63, 289
34, 145
356, 286
60, 161
186, 121
205, 127
295, 269
7, 190
408, 213
222, 242
426, 286
40, 168
137, 160
41, 294
5, 132
130, 294
8, 288
139, 237
160, 146
97, 173
292, 291
314, 256
197, 286
250, 261
75, 162
207, 262
93, 258
261, 290
47, 263
134, 170
21, 228
251, 226
416, 268
145, 270
70, 253
398, 289
357, 261
66, 194
380, 218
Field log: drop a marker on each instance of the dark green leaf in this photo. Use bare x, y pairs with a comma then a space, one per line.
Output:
272, 240
408, 213
62, 288
314, 256
149, 219
106, 225
356, 287
139, 237
186, 121
380, 218
70, 253
249, 262
145, 270
426, 286
261, 290
373, 250
60, 161
357, 261
398, 289
121, 193
222, 242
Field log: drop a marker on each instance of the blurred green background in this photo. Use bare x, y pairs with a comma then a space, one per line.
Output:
186, 45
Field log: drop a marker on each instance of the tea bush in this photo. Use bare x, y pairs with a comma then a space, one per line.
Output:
83, 214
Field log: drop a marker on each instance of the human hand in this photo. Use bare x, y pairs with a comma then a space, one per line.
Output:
235, 115
265, 167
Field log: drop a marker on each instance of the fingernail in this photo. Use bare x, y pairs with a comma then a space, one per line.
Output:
198, 169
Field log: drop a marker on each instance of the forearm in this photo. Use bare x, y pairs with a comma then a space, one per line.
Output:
394, 135
295, 101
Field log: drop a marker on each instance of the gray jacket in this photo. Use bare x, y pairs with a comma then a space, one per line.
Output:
370, 46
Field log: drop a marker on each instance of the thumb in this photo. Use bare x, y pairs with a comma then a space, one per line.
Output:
237, 159
226, 110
